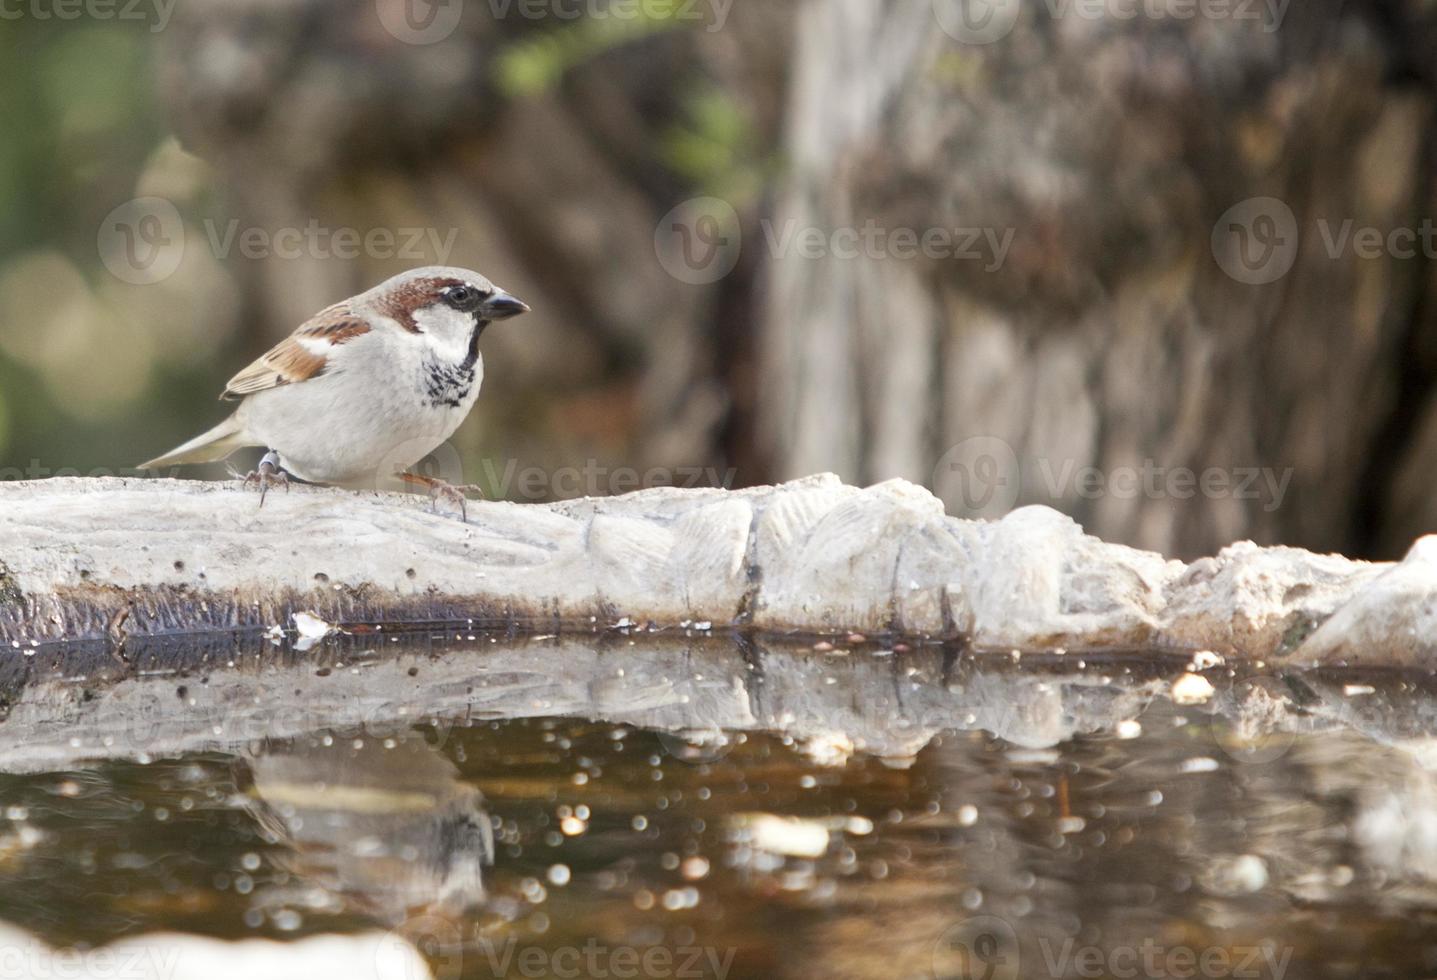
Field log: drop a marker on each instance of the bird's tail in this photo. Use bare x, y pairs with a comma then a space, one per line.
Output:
214, 445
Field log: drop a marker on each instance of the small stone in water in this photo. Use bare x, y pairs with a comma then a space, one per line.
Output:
1191, 689
1204, 660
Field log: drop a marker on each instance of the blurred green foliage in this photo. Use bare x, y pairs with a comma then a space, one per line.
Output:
80, 119
535, 64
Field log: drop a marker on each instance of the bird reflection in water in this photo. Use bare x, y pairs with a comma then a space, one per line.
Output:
384, 826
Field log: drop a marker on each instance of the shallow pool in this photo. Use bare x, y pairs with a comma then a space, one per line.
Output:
680, 806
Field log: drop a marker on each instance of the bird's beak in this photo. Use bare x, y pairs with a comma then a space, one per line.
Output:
501, 306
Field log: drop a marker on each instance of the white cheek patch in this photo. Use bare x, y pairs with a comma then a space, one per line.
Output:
448, 329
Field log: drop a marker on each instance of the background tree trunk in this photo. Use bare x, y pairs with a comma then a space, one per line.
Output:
1110, 336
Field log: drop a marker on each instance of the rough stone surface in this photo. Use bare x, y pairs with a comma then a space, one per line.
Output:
176, 956
87, 559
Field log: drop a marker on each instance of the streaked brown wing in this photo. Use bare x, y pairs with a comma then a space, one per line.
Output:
300, 356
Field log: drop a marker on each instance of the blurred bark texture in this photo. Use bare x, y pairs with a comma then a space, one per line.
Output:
1110, 336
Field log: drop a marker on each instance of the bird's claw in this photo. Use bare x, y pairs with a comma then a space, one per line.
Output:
269, 474
454, 495
443, 490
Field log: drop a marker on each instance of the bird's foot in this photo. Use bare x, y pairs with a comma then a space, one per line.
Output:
443, 490
268, 475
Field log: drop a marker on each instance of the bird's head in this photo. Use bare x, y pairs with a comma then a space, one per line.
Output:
451, 306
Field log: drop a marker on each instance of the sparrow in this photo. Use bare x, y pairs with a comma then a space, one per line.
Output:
365, 388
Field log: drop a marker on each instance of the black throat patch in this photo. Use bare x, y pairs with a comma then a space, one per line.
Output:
448, 385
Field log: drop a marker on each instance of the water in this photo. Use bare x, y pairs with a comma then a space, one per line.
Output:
688, 807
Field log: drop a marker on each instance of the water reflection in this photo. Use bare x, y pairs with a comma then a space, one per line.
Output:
383, 826
534, 807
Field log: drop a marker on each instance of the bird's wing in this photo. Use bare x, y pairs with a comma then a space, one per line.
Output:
302, 355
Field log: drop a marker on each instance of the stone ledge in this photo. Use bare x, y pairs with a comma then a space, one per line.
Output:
85, 559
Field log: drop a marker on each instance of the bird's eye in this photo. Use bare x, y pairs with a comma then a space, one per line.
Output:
466, 299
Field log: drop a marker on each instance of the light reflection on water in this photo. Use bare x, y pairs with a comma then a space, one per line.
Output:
695, 808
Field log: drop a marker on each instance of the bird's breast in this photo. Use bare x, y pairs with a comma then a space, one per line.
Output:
448, 385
